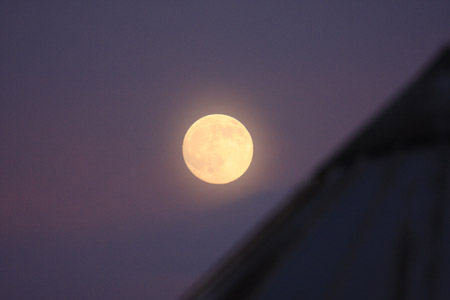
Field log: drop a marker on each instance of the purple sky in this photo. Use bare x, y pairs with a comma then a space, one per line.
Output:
96, 201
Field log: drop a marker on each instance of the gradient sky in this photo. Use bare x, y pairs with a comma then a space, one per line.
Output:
96, 96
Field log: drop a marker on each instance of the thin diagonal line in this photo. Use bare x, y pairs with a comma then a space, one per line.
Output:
368, 222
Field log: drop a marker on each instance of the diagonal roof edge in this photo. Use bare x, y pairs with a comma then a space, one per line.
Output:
409, 121
419, 115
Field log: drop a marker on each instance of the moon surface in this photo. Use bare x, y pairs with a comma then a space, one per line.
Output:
217, 149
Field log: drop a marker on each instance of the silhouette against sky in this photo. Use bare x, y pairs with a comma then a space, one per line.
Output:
96, 96
372, 223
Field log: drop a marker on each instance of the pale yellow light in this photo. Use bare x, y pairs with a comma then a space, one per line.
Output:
217, 149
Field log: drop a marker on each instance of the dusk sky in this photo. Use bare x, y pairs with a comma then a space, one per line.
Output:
96, 201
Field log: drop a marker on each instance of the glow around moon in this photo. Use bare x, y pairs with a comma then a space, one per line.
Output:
217, 149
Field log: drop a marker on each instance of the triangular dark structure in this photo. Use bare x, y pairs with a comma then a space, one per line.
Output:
374, 223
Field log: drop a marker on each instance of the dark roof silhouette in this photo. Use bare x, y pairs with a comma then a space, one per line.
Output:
373, 223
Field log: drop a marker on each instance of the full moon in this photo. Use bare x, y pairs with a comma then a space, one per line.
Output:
217, 149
